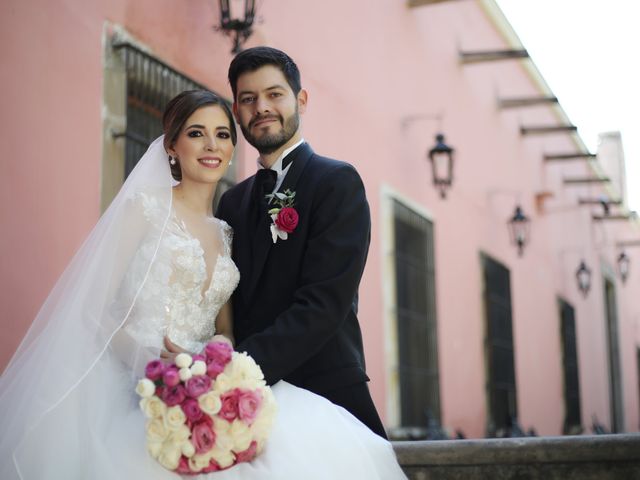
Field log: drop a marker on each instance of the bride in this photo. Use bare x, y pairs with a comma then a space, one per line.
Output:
154, 277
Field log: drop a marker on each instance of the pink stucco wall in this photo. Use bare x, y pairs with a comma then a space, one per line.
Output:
367, 69
51, 129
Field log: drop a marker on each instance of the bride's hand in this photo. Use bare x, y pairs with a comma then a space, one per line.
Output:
171, 350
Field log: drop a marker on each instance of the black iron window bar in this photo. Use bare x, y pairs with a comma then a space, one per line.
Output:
150, 84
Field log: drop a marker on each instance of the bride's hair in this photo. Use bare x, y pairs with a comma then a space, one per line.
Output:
180, 108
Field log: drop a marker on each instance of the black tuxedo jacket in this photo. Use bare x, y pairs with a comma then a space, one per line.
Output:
295, 307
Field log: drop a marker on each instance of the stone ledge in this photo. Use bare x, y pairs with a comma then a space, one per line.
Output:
601, 457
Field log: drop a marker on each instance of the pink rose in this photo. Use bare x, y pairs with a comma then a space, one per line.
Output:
249, 402
171, 377
248, 454
191, 409
287, 219
229, 409
198, 385
214, 369
202, 437
183, 466
173, 395
207, 420
154, 370
199, 356
219, 352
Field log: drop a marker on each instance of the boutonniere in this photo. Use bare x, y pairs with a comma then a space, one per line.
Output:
283, 215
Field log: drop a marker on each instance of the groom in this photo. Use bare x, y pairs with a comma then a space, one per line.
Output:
295, 307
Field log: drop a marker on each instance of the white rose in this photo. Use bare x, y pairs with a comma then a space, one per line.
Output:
259, 446
221, 426
244, 370
259, 431
269, 401
241, 436
200, 461
223, 457
179, 435
248, 384
265, 419
145, 388
262, 426
156, 430
198, 368
210, 403
222, 383
174, 417
153, 407
183, 360
188, 450
224, 441
154, 448
169, 456
185, 374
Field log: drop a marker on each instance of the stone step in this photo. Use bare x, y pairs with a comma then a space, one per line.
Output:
585, 457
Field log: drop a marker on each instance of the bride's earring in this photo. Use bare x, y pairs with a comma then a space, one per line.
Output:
172, 160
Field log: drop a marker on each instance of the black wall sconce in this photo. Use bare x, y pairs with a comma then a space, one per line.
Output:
237, 23
441, 158
583, 276
624, 263
519, 229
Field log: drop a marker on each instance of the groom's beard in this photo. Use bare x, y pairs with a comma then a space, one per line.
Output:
270, 142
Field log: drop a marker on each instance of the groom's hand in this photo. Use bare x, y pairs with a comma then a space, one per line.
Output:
171, 350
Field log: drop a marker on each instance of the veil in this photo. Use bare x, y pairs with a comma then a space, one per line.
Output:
58, 377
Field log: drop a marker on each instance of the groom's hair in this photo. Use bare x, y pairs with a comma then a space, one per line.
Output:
254, 58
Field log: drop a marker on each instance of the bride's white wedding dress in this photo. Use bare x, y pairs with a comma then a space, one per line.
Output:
311, 438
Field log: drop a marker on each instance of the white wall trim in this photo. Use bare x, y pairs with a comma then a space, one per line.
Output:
388, 287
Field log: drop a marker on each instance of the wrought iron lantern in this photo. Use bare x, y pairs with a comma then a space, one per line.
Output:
236, 18
519, 229
583, 276
441, 157
623, 266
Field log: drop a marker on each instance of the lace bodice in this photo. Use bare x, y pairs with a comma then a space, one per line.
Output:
175, 299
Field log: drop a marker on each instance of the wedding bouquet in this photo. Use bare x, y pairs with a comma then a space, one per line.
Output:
206, 412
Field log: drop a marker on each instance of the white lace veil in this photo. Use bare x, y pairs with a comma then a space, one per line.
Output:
80, 322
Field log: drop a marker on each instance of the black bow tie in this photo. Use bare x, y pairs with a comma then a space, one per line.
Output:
266, 179
264, 184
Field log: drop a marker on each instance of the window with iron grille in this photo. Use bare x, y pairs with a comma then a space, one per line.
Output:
416, 314
150, 84
572, 413
613, 350
499, 353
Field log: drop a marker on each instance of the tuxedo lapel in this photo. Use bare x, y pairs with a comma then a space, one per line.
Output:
303, 154
262, 241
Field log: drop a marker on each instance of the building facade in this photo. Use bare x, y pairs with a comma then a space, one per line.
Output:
461, 330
